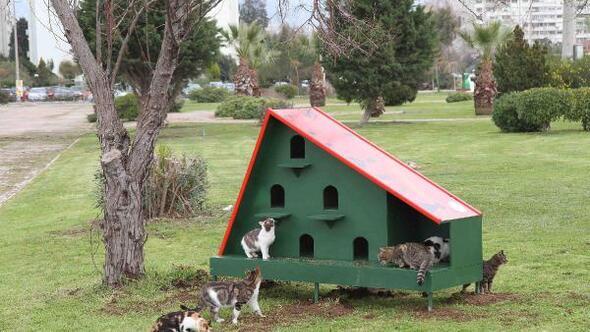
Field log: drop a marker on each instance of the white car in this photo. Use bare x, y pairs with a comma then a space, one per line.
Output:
37, 94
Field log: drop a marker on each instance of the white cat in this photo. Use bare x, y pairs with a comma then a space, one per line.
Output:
259, 239
441, 248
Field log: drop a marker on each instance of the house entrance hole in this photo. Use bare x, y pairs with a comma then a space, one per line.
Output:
306, 246
277, 196
330, 198
360, 248
297, 147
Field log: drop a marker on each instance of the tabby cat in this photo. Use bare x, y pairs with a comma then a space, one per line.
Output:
218, 294
187, 320
260, 239
414, 255
490, 268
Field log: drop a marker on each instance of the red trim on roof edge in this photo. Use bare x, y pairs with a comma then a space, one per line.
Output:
244, 183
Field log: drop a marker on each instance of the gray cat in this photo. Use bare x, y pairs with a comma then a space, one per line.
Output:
414, 255
218, 294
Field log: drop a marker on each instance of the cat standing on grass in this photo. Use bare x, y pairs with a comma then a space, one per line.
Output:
218, 294
490, 268
414, 255
259, 239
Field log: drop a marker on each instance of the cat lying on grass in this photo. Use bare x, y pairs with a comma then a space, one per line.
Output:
186, 320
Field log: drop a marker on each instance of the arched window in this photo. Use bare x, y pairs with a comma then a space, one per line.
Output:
277, 196
306, 246
297, 147
330, 198
360, 249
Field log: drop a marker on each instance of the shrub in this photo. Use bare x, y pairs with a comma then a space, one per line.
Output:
580, 110
209, 95
570, 74
175, 188
127, 107
289, 91
91, 117
535, 109
459, 96
540, 106
178, 104
505, 115
4, 98
245, 107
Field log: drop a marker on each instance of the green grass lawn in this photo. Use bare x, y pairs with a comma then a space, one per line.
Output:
426, 106
532, 188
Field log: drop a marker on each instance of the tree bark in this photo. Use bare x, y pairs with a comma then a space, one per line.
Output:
317, 89
485, 89
246, 80
373, 108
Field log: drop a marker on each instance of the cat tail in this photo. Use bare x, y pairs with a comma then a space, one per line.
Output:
421, 275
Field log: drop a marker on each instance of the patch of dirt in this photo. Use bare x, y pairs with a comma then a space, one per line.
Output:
289, 314
446, 313
361, 292
74, 232
481, 299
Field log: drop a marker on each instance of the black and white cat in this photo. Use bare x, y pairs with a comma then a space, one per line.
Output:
259, 239
440, 247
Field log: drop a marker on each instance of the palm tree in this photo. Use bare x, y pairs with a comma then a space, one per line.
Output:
485, 38
250, 45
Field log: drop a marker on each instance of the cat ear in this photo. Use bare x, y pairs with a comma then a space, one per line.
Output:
502, 252
261, 223
437, 245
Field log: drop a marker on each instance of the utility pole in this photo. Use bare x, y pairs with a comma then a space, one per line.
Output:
14, 26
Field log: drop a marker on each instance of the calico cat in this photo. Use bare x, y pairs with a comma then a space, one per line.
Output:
441, 248
490, 268
187, 320
414, 255
259, 239
218, 294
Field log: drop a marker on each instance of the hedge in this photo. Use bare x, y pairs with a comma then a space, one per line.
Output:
459, 96
535, 109
288, 91
245, 107
209, 94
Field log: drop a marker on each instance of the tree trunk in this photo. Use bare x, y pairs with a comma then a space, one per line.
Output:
246, 80
317, 89
485, 89
373, 108
569, 29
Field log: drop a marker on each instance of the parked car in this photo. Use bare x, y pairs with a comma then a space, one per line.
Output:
78, 93
190, 88
230, 86
62, 93
37, 94
10, 92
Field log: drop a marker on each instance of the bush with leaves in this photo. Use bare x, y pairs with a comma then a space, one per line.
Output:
535, 109
127, 107
4, 98
580, 110
175, 188
92, 117
246, 107
459, 96
178, 104
570, 74
505, 115
209, 94
288, 91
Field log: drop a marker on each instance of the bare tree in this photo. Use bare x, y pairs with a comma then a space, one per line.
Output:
125, 160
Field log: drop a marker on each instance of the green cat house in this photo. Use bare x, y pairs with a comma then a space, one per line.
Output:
338, 198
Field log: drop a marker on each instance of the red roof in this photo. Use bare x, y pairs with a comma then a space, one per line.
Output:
377, 165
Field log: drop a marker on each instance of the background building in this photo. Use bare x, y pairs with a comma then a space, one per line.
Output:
5, 27
540, 19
